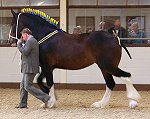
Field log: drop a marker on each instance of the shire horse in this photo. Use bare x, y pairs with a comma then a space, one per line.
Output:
73, 52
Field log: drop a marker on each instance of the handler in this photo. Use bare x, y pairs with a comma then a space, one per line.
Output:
29, 68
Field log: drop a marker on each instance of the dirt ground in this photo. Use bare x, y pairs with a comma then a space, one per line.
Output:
74, 104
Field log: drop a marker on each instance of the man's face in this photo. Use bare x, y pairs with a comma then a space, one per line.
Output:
117, 23
135, 27
25, 36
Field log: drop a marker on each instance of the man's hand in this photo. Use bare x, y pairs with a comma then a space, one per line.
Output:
19, 41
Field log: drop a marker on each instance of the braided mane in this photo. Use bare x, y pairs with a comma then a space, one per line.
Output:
42, 15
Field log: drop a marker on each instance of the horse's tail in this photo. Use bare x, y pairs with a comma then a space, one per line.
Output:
122, 45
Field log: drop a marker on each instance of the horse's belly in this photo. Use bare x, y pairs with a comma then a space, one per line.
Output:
75, 64
72, 58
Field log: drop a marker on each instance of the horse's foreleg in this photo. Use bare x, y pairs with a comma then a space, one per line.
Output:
132, 93
110, 85
50, 84
53, 97
40, 83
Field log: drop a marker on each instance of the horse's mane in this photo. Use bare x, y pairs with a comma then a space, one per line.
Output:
42, 15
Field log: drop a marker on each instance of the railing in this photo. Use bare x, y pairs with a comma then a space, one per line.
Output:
2, 41
5, 43
135, 38
127, 42
131, 42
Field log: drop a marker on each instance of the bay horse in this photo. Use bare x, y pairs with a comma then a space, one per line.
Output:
69, 51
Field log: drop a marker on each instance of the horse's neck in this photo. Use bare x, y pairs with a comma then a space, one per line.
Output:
42, 32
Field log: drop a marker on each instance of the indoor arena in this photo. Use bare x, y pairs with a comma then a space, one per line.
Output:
74, 59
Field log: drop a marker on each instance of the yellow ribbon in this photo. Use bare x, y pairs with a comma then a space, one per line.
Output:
116, 35
48, 36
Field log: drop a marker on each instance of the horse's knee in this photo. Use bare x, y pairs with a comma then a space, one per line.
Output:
50, 83
40, 78
49, 80
40, 83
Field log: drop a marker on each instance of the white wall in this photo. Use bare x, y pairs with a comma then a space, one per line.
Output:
139, 67
10, 65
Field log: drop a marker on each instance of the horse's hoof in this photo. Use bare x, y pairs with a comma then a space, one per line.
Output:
43, 106
51, 103
98, 105
133, 104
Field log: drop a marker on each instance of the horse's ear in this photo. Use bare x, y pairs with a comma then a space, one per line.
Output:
13, 13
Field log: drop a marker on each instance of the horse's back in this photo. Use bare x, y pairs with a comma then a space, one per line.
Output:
105, 47
102, 38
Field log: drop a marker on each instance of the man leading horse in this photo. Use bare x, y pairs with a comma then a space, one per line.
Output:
59, 49
29, 67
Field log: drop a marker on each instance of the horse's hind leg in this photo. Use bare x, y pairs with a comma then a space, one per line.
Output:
132, 93
110, 85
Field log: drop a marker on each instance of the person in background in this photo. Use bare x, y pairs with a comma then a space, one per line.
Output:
29, 67
77, 30
134, 32
102, 26
13, 42
118, 30
89, 29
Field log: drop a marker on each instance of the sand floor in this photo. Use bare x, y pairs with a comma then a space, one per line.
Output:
74, 104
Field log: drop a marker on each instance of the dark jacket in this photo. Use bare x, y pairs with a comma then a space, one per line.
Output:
122, 32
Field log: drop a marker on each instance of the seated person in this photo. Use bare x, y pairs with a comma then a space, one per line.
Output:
13, 42
77, 30
117, 30
89, 29
134, 32
102, 26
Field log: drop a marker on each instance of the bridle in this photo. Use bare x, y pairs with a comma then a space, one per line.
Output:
16, 37
40, 41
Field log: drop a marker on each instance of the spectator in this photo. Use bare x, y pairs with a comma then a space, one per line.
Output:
89, 29
102, 26
134, 32
77, 30
119, 31
13, 42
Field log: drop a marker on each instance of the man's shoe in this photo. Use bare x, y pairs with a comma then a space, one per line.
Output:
21, 107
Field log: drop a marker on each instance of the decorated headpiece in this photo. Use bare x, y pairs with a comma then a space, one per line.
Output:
40, 14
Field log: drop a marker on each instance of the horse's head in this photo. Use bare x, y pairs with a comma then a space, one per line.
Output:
38, 24
16, 26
